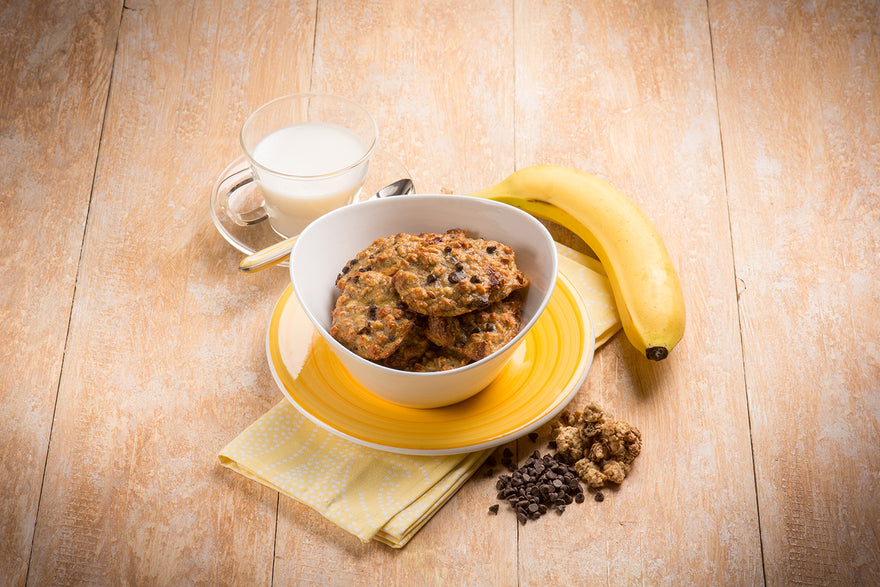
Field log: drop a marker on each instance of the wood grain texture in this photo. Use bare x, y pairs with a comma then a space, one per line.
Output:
799, 99
438, 77
625, 91
133, 349
51, 108
166, 361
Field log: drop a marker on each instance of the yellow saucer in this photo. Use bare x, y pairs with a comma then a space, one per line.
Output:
542, 377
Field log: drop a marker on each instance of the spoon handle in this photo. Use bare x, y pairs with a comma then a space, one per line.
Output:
280, 251
267, 257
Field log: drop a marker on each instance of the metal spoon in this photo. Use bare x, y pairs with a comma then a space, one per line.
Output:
280, 251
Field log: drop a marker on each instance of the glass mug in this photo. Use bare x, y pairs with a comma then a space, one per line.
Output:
308, 153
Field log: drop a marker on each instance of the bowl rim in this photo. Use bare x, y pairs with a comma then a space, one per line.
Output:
508, 209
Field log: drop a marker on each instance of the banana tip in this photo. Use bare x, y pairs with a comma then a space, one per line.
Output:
657, 353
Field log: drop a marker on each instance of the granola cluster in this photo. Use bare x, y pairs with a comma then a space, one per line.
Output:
600, 448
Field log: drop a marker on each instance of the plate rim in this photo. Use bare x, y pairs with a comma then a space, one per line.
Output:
563, 398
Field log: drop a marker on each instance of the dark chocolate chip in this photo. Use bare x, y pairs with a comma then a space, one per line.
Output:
542, 483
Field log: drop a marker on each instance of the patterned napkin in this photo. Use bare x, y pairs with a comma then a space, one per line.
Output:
373, 494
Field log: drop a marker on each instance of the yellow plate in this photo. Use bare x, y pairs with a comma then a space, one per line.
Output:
542, 377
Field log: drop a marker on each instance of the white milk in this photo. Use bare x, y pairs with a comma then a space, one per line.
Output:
308, 149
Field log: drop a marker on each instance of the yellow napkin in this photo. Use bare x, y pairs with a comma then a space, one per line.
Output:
588, 276
373, 494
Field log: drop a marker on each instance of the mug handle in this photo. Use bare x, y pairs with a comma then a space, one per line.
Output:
237, 195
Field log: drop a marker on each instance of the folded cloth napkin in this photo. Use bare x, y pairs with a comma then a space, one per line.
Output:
373, 494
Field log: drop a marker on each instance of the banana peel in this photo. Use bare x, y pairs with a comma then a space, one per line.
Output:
646, 287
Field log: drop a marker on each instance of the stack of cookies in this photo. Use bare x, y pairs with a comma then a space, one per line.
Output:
429, 302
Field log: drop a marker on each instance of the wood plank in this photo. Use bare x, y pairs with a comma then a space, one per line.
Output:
438, 78
51, 109
440, 82
167, 361
625, 90
799, 97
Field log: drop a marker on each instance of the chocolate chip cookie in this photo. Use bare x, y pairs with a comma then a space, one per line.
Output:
411, 350
369, 317
479, 333
428, 302
380, 256
451, 274
440, 359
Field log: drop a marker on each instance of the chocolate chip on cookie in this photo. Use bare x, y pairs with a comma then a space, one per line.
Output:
368, 317
411, 350
381, 256
451, 274
479, 333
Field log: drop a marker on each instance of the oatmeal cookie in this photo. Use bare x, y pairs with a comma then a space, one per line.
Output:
369, 317
385, 254
479, 333
451, 274
411, 350
380, 256
440, 359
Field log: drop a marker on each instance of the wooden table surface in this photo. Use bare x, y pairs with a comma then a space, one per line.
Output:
132, 348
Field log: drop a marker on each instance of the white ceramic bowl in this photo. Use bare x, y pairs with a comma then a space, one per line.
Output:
329, 242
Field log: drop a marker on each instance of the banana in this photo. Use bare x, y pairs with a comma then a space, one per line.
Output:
646, 287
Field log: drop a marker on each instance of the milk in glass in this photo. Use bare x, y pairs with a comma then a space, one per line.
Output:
303, 183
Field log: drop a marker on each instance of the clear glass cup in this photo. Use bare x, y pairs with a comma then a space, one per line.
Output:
308, 154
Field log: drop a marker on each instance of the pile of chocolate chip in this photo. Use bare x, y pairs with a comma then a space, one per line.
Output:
541, 484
